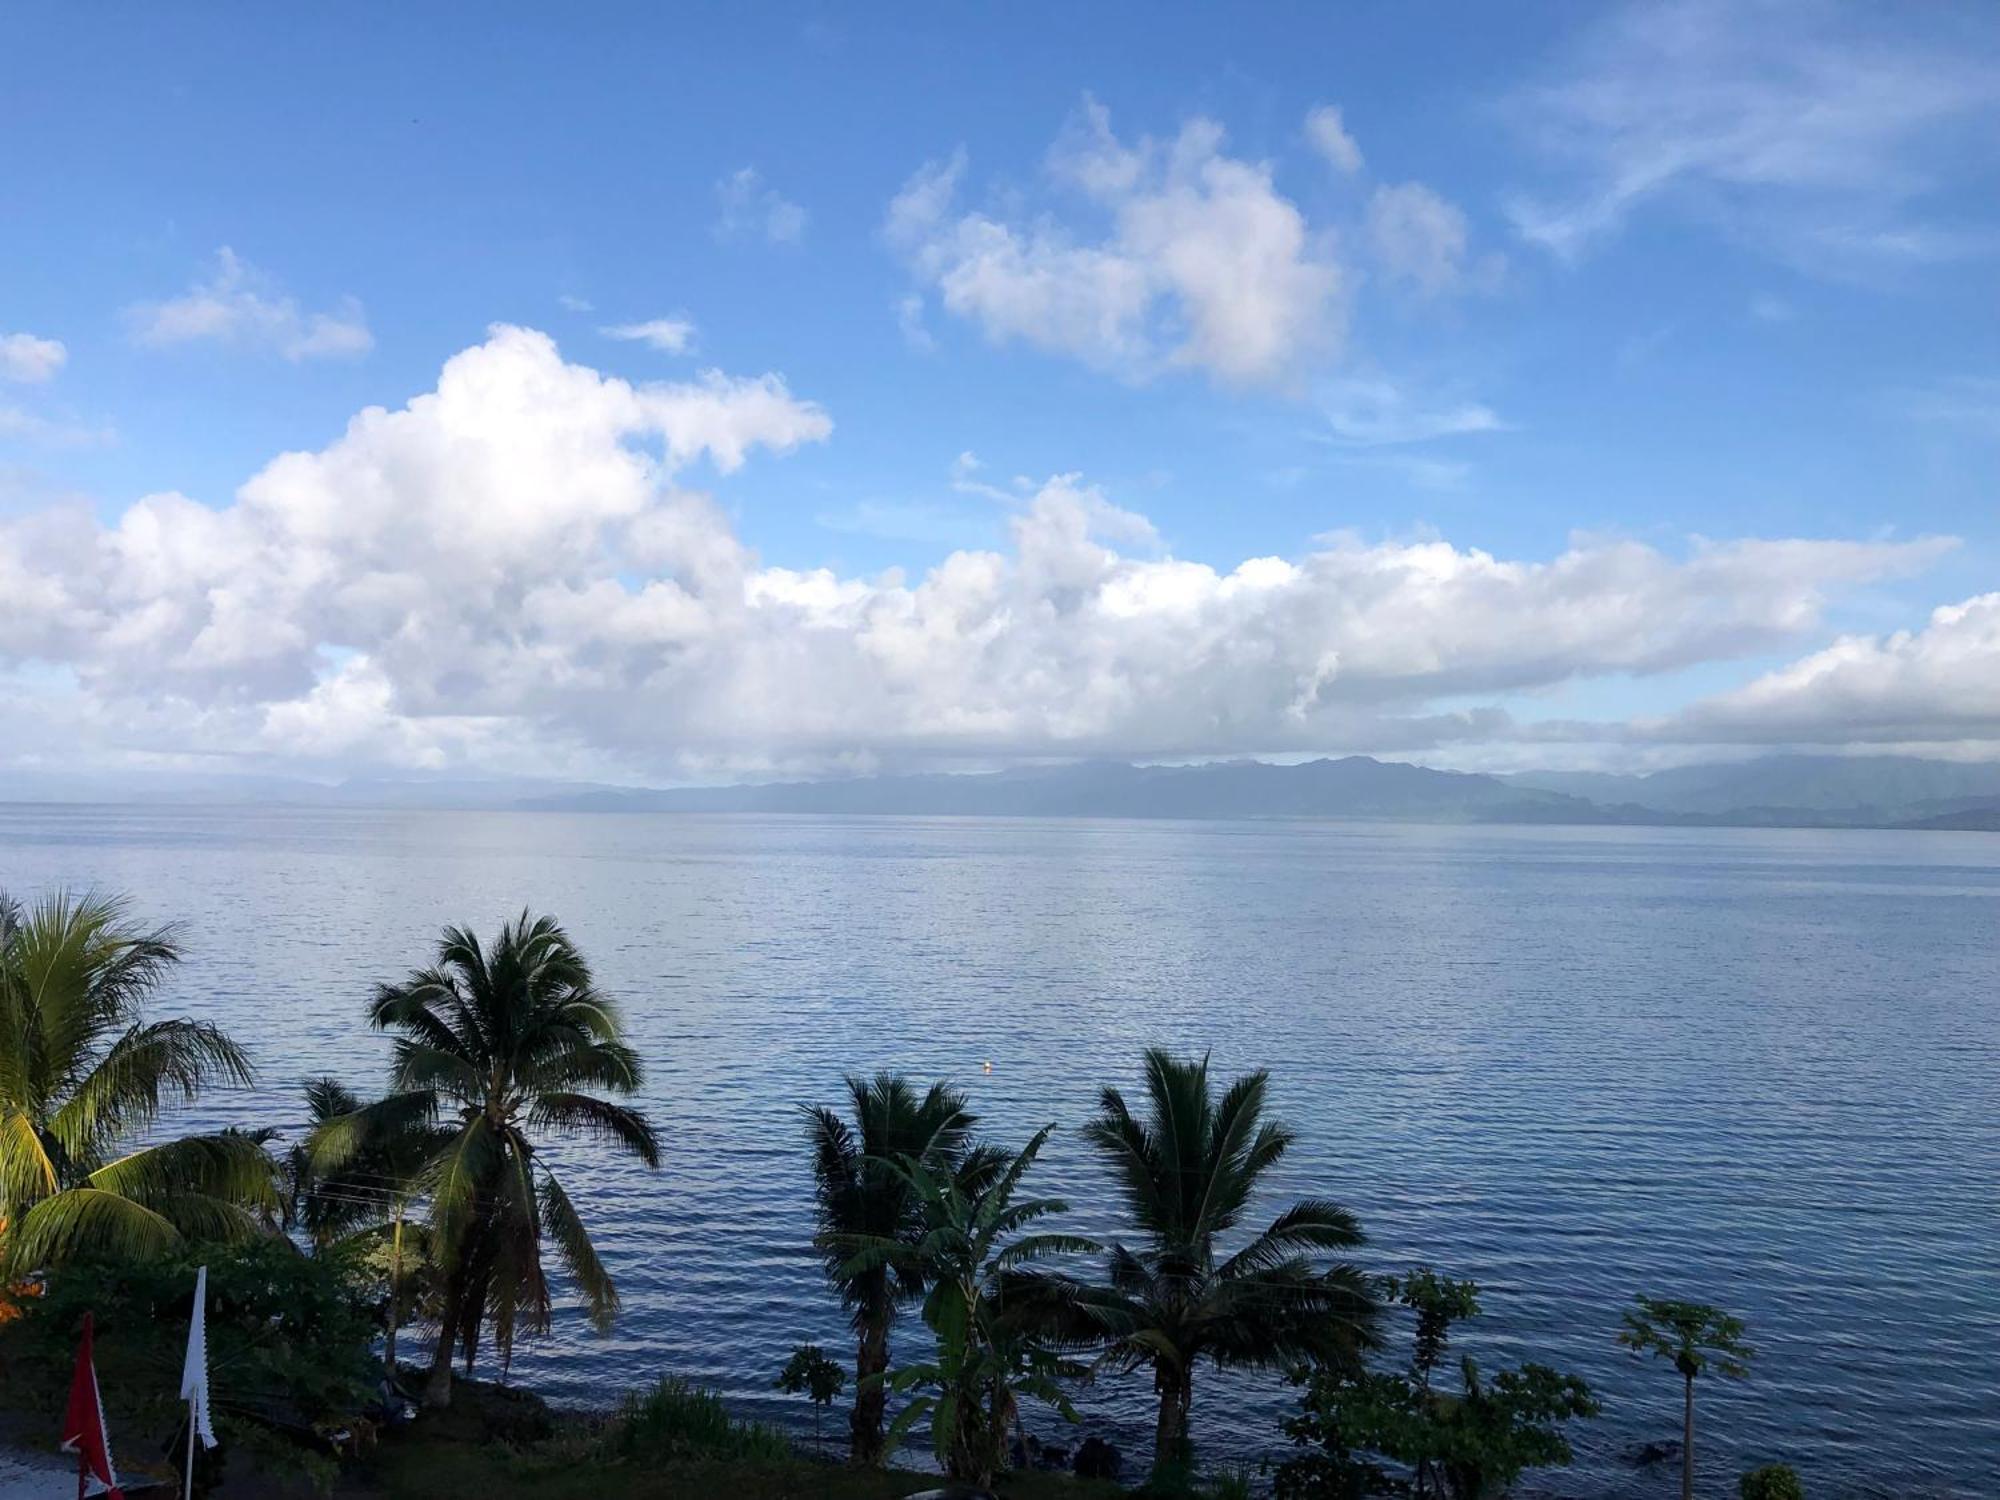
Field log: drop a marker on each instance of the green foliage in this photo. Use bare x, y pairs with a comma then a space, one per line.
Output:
987, 1309
495, 1048
288, 1344
82, 1075
1187, 1173
810, 1373
1239, 1483
1693, 1335
676, 1420
859, 1195
1772, 1482
1372, 1433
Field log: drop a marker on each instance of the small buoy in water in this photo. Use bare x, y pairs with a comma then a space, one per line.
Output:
986, 1067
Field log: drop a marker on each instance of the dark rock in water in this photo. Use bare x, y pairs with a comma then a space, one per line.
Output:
1052, 1457
1097, 1459
1647, 1454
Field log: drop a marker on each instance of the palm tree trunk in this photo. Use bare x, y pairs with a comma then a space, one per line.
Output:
871, 1400
395, 1293
1176, 1388
437, 1389
1687, 1443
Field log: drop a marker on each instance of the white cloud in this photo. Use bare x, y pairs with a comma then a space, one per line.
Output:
910, 322
53, 432
29, 360
1810, 129
1327, 134
1204, 263
668, 335
1419, 238
1937, 685
749, 206
570, 302
1372, 412
239, 305
511, 570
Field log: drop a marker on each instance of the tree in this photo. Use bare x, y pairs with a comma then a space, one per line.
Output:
859, 1195
810, 1373
500, 1046
82, 1074
1186, 1174
1465, 1445
363, 1205
983, 1306
1695, 1337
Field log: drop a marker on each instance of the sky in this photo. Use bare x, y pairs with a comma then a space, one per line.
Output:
659, 395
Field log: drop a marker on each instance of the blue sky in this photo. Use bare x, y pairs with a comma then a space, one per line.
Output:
1491, 279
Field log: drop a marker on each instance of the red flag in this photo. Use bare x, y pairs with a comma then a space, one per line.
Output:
83, 1424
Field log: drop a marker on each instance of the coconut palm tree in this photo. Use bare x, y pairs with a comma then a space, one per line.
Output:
499, 1046
81, 1075
1186, 1174
1694, 1337
860, 1196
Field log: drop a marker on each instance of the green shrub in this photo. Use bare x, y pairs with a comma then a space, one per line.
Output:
289, 1349
676, 1419
1773, 1482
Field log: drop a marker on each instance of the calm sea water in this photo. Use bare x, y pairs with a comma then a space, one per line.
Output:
1757, 1068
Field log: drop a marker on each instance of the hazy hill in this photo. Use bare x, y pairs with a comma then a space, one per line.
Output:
1355, 787
1852, 789
1774, 791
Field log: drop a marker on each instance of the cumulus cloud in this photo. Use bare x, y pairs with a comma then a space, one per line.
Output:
1937, 685
513, 569
1810, 129
29, 360
668, 335
239, 305
1204, 263
749, 206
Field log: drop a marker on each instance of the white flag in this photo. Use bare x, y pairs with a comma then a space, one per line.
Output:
194, 1374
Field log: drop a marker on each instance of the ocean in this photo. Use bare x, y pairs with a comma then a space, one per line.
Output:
1757, 1068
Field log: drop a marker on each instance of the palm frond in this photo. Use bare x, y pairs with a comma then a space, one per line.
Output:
566, 1228
142, 1069
598, 1118
228, 1166
85, 1221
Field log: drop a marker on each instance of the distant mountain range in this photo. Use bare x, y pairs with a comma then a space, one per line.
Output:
1808, 791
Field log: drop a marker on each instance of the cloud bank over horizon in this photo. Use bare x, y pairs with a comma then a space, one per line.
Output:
523, 571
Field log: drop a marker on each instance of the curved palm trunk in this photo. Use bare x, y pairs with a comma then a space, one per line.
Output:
1687, 1442
1176, 1388
437, 1388
871, 1400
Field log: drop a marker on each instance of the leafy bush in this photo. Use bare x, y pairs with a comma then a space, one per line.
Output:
1773, 1482
676, 1419
1361, 1431
289, 1347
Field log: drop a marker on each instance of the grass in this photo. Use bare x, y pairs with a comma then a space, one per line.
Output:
671, 1441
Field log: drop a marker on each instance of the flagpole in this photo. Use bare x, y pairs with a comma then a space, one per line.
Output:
188, 1493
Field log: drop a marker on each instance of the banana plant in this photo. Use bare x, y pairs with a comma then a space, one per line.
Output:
987, 1306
